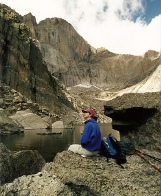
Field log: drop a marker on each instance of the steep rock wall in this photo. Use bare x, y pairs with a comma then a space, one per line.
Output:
22, 66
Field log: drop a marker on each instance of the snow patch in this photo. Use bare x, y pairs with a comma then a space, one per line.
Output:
87, 86
83, 85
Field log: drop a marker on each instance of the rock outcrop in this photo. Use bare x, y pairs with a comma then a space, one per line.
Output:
71, 174
137, 116
16, 164
8, 126
18, 113
29, 120
135, 111
39, 184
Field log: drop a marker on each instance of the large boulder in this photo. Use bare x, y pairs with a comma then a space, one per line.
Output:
15, 164
71, 174
40, 184
29, 120
137, 117
58, 125
96, 176
8, 126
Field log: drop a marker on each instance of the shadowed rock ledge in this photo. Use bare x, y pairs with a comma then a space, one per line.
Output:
137, 117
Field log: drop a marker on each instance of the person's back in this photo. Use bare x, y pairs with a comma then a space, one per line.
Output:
90, 140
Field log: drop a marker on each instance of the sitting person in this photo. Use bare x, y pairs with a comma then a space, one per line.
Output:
90, 140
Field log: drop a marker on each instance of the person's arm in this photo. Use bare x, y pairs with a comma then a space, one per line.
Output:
85, 138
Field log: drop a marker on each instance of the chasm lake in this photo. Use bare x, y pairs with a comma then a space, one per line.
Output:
49, 145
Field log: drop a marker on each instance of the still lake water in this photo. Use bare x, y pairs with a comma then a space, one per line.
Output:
49, 145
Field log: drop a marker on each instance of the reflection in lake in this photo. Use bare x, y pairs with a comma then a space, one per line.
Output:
49, 145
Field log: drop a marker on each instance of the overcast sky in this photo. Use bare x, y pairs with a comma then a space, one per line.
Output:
121, 26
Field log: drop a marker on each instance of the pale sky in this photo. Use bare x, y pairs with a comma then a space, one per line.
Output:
120, 26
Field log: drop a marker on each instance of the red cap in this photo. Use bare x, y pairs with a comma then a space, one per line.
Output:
91, 111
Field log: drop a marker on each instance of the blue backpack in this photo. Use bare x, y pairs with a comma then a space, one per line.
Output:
110, 148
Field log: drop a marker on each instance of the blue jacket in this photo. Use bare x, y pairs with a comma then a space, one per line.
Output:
91, 137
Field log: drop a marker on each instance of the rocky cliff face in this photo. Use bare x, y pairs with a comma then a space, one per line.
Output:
22, 66
73, 61
62, 48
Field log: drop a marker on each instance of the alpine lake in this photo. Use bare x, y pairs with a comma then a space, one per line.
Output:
49, 145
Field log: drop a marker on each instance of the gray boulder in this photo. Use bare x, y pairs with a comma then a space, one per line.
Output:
40, 184
30, 120
72, 175
95, 176
15, 164
8, 126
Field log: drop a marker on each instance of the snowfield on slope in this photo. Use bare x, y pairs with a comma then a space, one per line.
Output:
150, 84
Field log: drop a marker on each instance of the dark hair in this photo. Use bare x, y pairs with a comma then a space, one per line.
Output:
95, 118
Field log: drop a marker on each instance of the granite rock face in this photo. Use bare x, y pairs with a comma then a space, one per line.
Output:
29, 120
73, 61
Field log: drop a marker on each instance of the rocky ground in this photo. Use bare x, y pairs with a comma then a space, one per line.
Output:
72, 175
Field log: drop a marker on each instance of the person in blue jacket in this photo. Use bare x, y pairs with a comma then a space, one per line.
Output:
90, 140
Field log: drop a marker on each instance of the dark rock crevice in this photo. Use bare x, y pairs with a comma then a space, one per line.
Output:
130, 118
80, 189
